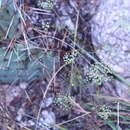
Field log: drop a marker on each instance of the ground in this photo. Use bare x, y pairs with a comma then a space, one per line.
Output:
79, 94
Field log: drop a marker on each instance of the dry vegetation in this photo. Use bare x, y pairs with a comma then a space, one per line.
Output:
70, 95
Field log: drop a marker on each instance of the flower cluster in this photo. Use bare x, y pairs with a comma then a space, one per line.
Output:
46, 26
104, 112
46, 5
70, 58
99, 74
63, 102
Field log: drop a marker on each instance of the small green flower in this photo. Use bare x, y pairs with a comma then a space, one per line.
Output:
46, 5
98, 74
105, 68
70, 58
63, 102
104, 112
46, 26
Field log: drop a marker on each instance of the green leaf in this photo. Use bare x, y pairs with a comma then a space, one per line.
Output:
112, 125
9, 21
17, 66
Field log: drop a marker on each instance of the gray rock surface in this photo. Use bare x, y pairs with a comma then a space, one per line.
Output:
111, 35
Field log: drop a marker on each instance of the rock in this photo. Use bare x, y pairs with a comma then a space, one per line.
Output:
111, 36
65, 11
47, 120
20, 114
23, 85
47, 102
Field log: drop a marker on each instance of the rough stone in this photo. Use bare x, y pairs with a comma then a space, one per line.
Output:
111, 35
